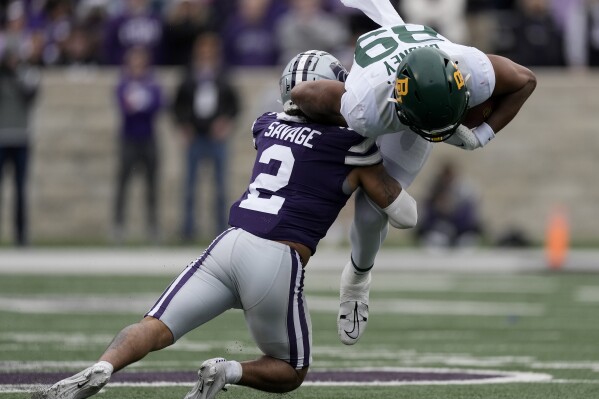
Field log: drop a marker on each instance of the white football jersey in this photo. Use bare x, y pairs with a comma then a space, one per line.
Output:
365, 104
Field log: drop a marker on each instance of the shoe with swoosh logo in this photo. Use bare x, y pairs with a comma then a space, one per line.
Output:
211, 379
353, 316
353, 305
82, 385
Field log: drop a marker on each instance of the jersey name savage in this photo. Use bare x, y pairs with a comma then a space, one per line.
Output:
300, 135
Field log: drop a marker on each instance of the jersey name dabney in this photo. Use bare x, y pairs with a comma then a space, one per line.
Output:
296, 187
377, 56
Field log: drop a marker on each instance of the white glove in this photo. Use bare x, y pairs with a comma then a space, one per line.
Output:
471, 139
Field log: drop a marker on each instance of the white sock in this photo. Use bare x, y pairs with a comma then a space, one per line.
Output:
233, 372
106, 365
351, 275
354, 286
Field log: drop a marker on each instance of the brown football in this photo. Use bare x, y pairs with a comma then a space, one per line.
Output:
479, 114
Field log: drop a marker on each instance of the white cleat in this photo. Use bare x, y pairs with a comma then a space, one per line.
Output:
352, 320
353, 305
80, 386
211, 379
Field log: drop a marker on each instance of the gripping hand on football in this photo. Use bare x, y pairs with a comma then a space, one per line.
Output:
471, 139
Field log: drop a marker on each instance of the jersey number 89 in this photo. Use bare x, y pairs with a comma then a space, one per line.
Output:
389, 44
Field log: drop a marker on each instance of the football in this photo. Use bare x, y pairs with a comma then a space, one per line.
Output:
478, 114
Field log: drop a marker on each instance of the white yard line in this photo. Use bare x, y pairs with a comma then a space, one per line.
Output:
436, 307
495, 377
137, 304
170, 261
587, 294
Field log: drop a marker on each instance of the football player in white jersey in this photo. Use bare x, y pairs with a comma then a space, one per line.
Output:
410, 87
303, 175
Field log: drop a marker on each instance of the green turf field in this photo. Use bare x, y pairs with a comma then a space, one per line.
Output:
544, 324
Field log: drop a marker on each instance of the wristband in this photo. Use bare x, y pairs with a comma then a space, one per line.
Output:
484, 133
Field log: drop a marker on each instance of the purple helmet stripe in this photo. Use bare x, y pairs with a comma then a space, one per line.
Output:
164, 300
305, 71
291, 313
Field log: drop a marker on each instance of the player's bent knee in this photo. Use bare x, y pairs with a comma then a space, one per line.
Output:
403, 212
163, 336
301, 375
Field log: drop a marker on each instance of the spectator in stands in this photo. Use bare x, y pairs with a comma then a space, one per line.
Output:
137, 26
448, 17
560, 10
19, 84
450, 215
307, 26
248, 36
184, 20
205, 108
78, 49
581, 37
57, 25
139, 99
530, 36
13, 34
91, 17
481, 16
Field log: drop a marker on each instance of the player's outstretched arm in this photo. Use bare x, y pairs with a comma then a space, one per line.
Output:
320, 100
387, 193
514, 84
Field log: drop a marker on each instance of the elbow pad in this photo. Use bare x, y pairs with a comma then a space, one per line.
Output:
402, 213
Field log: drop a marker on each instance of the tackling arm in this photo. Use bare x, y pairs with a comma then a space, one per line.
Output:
320, 101
387, 193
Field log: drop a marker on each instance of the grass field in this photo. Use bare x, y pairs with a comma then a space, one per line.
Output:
537, 332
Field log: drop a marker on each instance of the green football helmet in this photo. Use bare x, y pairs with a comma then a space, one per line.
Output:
430, 95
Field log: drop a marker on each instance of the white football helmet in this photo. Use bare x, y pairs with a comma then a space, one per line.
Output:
307, 66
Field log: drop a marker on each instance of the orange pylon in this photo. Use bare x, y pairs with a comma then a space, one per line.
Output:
558, 238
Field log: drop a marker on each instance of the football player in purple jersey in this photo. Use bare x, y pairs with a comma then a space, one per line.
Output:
303, 175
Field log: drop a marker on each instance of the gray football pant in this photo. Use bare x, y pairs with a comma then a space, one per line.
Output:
404, 155
242, 271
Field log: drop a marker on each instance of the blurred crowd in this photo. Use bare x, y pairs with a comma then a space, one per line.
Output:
207, 37
269, 32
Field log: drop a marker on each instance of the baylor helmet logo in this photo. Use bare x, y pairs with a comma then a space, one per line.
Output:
401, 88
459, 79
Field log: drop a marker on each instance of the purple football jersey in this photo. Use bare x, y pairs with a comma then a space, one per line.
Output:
296, 188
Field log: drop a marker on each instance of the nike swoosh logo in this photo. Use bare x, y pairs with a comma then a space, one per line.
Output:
348, 333
81, 384
356, 325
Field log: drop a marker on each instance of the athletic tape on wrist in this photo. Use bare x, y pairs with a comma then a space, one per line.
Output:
484, 133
